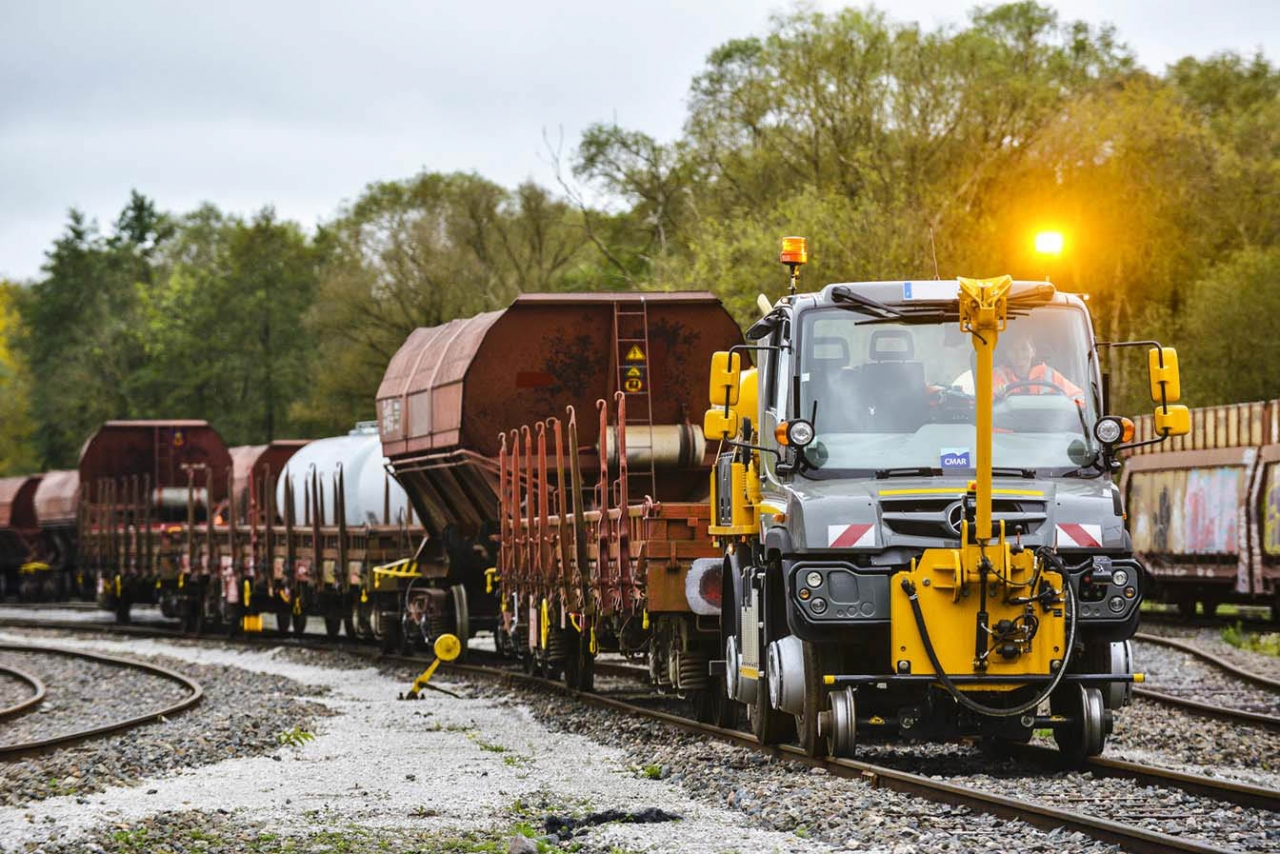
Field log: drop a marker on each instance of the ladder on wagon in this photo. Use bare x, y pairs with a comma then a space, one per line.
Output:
631, 356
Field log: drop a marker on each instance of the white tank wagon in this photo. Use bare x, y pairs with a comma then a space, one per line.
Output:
371, 496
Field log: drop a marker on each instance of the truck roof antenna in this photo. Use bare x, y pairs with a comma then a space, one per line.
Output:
934, 248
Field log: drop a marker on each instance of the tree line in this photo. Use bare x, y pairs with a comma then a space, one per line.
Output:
893, 148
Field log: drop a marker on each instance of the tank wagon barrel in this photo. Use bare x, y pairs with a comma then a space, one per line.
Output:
1204, 508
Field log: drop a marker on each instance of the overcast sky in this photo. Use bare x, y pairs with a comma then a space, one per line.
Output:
301, 104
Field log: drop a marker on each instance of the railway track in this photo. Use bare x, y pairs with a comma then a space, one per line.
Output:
1204, 709
12, 750
38, 692
951, 791
1043, 815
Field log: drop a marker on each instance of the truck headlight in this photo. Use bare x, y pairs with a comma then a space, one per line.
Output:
1119, 578
814, 579
799, 433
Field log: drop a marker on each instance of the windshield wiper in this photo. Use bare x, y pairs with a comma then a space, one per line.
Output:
878, 308
908, 471
1008, 471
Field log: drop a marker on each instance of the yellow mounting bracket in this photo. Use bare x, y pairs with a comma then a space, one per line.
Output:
490, 578
447, 647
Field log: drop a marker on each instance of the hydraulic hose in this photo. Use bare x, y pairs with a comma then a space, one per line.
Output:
973, 705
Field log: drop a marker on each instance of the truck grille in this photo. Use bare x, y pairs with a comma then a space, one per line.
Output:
931, 517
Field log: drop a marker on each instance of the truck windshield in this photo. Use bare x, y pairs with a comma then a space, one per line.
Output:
899, 395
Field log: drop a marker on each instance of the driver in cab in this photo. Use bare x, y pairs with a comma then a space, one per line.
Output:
1019, 371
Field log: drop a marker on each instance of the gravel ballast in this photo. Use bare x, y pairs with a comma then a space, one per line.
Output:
1173, 671
441, 770
472, 772
242, 714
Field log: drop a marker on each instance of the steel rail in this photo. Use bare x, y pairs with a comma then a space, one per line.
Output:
39, 691
1208, 710
1046, 817
1242, 794
195, 695
1209, 658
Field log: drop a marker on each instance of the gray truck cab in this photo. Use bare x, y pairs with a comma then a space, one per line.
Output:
883, 375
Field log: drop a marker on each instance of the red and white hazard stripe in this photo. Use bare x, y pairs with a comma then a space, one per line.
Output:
859, 536
1077, 536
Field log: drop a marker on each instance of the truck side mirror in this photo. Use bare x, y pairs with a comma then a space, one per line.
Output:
1162, 365
718, 424
1172, 420
726, 375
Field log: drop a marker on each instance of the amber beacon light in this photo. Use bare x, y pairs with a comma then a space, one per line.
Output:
795, 250
795, 254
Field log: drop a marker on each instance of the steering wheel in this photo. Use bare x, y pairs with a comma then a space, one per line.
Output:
1010, 387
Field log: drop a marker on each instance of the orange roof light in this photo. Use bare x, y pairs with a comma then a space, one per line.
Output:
794, 251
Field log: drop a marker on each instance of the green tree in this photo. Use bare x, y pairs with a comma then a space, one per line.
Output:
421, 252
17, 449
81, 334
224, 336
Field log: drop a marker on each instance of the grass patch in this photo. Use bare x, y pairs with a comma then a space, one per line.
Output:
652, 771
487, 746
294, 737
1267, 644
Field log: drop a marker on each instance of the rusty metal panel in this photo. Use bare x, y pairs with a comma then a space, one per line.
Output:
17, 502
1271, 510
254, 461
57, 498
1187, 511
162, 449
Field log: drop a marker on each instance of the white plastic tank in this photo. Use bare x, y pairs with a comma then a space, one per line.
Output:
367, 484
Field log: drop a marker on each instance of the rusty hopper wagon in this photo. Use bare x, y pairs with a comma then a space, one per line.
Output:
19, 537
1204, 509
145, 485
57, 505
448, 404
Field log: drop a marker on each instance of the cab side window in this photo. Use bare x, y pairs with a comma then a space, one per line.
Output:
777, 387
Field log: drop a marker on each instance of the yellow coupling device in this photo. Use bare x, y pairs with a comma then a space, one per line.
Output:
490, 578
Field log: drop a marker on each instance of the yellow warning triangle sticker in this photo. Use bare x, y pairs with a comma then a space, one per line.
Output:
634, 372
635, 354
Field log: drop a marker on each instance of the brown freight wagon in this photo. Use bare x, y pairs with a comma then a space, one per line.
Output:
57, 505
452, 394
1204, 509
144, 487
19, 536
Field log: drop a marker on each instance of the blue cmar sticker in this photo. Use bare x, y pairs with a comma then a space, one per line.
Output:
956, 458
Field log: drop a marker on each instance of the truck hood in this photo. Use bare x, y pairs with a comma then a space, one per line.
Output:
892, 520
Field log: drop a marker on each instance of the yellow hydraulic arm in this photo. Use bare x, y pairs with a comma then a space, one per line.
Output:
989, 589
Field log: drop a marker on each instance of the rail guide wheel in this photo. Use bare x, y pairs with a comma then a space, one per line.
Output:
840, 724
1086, 732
